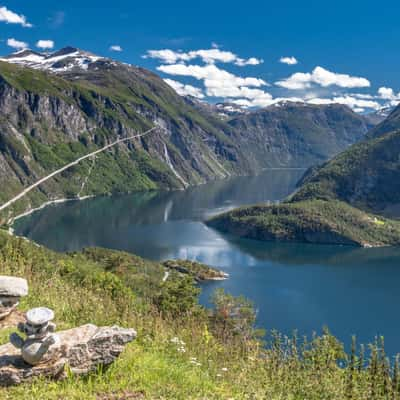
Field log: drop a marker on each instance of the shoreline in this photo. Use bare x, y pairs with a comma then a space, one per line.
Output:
67, 199
12, 220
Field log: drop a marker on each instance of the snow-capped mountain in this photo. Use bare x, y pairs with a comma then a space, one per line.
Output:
380, 115
385, 111
66, 59
228, 110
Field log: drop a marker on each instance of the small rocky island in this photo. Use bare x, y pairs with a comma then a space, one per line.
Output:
200, 272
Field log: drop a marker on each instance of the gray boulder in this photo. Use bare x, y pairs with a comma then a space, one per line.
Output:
11, 290
12, 286
82, 349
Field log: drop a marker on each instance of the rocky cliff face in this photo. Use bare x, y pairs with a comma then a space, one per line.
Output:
50, 119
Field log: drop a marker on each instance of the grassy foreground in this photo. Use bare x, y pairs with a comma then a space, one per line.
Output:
182, 351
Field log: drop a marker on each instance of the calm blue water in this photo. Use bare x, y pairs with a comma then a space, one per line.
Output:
294, 286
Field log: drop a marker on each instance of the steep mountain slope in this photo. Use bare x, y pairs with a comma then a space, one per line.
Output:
365, 176
298, 134
58, 106
49, 118
334, 202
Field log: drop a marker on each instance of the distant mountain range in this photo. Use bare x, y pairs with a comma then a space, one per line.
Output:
297, 134
58, 106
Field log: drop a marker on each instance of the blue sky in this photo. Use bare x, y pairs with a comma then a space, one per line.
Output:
345, 50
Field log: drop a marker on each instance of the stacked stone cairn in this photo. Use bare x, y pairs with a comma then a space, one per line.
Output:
11, 291
41, 344
40, 352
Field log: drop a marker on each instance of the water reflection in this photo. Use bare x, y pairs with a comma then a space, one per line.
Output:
140, 222
295, 286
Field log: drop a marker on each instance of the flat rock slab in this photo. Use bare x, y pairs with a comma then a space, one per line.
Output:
83, 349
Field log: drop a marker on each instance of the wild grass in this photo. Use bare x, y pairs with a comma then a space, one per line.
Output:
182, 351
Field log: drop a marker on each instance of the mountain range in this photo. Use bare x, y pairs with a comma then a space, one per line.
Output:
58, 106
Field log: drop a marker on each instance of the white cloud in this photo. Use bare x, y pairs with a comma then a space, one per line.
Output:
387, 93
297, 81
219, 82
321, 76
288, 60
45, 44
357, 105
115, 47
363, 96
348, 100
185, 90
209, 56
211, 74
265, 102
167, 56
249, 91
10, 17
16, 44
250, 61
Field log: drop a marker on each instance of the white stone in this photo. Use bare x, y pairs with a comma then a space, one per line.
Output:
39, 315
13, 286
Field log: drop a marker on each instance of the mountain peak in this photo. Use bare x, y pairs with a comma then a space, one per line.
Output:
63, 60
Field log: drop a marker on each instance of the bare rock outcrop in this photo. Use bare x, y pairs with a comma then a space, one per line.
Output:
82, 349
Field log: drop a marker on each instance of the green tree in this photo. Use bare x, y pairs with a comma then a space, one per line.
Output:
178, 296
233, 316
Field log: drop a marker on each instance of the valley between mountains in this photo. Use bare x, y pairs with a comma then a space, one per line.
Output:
56, 107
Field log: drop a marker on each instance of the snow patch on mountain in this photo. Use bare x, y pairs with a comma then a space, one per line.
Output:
66, 59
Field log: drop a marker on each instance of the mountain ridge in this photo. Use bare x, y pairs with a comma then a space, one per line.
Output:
71, 102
